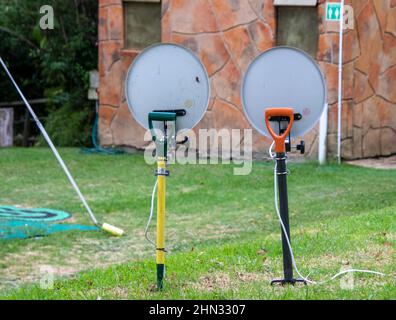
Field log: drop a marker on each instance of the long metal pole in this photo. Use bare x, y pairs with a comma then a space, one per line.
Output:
340, 62
284, 213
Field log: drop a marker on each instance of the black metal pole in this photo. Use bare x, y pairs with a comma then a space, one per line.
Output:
284, 213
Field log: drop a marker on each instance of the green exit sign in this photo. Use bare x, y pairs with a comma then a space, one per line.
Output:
333, 11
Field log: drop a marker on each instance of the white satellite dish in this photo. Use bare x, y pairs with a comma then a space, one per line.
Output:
167, 77
284, 77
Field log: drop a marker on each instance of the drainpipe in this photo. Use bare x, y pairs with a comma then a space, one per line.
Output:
323, 136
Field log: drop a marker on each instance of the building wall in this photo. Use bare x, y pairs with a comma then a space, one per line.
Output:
227, 35
369, 105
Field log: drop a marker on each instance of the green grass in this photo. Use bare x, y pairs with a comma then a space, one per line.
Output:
221, 229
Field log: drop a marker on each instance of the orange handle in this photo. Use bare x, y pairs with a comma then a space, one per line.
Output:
279, 140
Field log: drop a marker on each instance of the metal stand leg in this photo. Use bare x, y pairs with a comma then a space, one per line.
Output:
284, 212
160, 252
163, 143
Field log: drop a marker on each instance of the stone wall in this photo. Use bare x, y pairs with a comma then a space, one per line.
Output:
227, 35
369, 94
116, 125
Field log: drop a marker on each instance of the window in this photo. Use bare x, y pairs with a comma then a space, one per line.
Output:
298, 27
142, 23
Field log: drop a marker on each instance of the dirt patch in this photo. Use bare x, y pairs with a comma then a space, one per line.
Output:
250, 277
224, 281
213, 282
25, 267
373, 257
119, 293
387, 163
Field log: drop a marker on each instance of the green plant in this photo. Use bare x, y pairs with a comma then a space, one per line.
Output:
52, 63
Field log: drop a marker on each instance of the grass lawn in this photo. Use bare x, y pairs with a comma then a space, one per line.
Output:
222, 231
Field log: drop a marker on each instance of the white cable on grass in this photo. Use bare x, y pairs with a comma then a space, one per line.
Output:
290, 246
48, 139
151, 215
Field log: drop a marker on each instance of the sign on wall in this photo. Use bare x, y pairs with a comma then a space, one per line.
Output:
333, 11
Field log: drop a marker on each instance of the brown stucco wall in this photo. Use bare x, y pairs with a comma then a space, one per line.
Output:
369, 94
227, 35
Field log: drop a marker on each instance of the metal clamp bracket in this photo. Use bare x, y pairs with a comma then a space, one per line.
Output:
162, 172
168, 117
282, 116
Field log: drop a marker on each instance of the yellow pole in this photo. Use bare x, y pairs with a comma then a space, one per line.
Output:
160, 252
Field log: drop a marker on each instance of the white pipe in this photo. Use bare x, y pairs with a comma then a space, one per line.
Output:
48, 139
323, 136
340, 65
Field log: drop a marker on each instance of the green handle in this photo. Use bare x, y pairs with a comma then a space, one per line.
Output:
159, 116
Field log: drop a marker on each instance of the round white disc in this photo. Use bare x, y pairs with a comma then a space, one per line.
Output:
284, 77
164, 77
